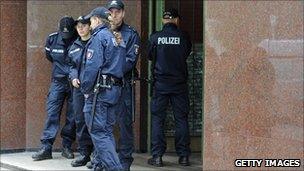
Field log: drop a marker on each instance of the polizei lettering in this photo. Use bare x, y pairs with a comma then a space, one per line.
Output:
168, 40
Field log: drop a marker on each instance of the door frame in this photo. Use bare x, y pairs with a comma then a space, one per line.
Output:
155, 12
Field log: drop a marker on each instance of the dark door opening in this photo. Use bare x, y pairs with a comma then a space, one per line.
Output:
191, 13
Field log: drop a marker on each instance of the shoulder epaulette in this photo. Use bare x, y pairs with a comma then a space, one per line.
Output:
130, 28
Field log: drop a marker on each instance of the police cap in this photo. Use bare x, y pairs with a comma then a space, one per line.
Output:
170, 13
83, 20
66, 27
118, 4
101, 12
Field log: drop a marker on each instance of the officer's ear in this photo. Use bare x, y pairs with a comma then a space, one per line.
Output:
123, 13
176, 21
97, 20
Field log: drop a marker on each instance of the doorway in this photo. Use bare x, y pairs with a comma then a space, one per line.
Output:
191, 13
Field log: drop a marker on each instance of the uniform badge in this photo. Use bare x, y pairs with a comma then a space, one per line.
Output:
136, 49
114, 3
65, 29
89, 54
58, 50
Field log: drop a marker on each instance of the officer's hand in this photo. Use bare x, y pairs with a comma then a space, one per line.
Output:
76, 83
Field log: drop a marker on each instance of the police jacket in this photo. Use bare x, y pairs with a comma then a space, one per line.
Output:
169, 50
131, 39
56, 50
76, 57
105, 55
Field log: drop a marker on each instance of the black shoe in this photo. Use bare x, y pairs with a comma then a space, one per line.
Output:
80, 161
89, 165
156, 161
42, 154
98, 168
67, 153
184, 161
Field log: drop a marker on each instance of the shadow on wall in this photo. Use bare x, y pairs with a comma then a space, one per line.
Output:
254, 80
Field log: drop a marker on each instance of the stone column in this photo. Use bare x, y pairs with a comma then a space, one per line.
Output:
13, 74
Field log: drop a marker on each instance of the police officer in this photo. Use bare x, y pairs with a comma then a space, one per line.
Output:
101, 82
56, 49
131, 38
168, 49
76, 52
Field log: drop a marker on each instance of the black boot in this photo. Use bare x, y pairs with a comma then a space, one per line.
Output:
156, 161
89, 165
184, 161
42, 154
67, 153
98, 168
82, 160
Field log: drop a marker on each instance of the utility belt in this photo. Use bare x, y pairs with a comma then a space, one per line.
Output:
107, 81
62, 79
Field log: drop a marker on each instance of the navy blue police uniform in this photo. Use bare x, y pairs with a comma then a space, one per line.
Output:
76, 54
56, 50
103, 56
125, 120
169, 49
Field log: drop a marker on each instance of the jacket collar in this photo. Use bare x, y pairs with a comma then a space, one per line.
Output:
170, 25
78, 41
98, 28
60, 41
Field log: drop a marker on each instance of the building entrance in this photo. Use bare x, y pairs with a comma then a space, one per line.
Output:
191, 13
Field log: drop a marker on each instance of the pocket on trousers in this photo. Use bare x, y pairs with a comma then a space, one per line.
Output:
110, 96
100, 118
87, 107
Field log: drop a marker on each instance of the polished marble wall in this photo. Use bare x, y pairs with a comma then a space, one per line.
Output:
253, 81
12, 78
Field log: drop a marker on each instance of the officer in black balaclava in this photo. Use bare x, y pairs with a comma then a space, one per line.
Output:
56, 50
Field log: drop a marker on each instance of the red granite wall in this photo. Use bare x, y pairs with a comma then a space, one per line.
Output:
42, 19
13, 74
253, 82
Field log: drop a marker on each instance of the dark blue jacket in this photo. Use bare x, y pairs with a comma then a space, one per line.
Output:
76, 56
132, 40
104, 54
56, 50
170, 47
